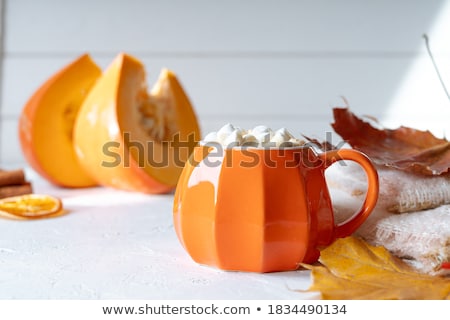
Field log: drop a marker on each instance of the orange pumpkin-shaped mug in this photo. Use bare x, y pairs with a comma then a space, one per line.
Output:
262, 210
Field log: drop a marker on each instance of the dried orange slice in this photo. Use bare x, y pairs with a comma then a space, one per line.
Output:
30, 205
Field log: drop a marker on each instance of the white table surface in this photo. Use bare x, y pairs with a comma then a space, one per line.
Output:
119, 245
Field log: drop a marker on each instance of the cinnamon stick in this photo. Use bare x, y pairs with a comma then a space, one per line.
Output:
12, 177
15, 190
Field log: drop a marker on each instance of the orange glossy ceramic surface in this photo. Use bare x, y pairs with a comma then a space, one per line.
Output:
261, 210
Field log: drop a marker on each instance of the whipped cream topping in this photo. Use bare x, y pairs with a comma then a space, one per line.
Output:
260, 136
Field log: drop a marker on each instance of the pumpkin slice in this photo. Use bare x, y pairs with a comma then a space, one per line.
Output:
30, 205
132, 139
47, 120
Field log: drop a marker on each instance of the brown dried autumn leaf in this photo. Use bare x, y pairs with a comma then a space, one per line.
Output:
403, 148
353, 269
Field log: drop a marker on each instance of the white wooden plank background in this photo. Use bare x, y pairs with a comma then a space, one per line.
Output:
280, 63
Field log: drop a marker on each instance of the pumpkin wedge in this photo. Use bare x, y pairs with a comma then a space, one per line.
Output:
131, 139
47, 120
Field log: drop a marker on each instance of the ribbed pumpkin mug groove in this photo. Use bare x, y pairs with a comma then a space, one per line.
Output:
262, 210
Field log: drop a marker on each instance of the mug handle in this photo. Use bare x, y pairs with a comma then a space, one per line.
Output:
349, 226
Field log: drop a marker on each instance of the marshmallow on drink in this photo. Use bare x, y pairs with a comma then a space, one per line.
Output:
260, 136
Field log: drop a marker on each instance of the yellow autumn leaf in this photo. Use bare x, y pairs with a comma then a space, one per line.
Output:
353, 269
